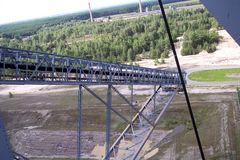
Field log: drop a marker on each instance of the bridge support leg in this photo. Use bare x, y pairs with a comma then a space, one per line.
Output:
131, 110
79, 120
108, 121
154, 100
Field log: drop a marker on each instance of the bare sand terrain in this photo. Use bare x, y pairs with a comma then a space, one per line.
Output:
227, 55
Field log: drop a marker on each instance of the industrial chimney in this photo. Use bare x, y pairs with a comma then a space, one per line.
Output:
90, 12
140, 6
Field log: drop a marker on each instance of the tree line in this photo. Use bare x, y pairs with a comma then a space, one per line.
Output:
123, 40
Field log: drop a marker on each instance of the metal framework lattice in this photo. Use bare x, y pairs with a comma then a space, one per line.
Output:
28, 67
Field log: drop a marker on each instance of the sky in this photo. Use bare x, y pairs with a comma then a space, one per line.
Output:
19, 10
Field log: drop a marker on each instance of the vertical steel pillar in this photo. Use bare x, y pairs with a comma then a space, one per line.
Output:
108, 121
154, 100
131, 98
79, 120
131, 109
17, 69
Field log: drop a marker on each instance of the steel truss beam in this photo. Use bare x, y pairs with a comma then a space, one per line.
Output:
28, 67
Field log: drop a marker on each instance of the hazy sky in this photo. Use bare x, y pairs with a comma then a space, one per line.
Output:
18, 10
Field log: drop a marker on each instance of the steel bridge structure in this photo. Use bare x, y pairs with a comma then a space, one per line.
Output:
27, 67
23, 67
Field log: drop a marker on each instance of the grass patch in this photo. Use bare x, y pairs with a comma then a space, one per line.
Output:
218, 75
175, 117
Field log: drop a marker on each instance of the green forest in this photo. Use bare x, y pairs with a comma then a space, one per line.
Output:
30, 27
123, 40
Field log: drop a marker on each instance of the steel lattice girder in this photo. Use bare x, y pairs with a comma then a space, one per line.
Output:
28, 67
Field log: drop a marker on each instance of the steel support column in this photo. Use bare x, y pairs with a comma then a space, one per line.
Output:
79, 120
154, 100
131, 109
108, 121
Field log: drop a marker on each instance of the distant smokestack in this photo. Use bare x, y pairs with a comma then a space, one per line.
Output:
90, 12
140, 6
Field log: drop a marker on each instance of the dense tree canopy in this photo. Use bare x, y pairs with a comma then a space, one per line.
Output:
120, 41
198, 40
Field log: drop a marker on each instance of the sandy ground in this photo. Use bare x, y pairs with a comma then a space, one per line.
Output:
227, 54
42, 143
33, 89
